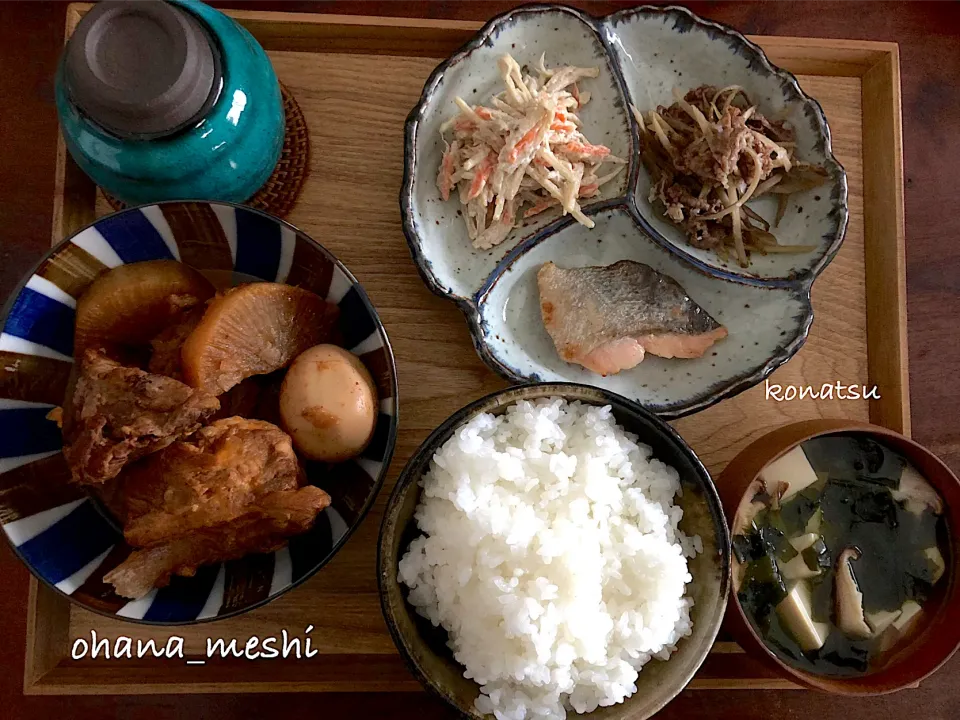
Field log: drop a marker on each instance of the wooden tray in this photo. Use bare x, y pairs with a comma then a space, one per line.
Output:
356, 79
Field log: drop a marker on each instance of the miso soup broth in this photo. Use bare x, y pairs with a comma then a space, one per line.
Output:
840, 549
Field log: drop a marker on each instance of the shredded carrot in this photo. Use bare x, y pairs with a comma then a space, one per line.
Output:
446, 173
540, 207
522, 144
481, 176
599, 151
508, 159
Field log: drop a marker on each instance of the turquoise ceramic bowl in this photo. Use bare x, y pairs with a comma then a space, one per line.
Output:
227, 156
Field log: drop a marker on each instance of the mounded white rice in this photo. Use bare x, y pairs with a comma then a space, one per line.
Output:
552, 557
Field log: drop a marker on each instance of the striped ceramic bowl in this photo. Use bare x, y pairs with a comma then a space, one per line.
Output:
66, 538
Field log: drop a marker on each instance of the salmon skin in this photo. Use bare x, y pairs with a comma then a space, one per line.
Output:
608, 318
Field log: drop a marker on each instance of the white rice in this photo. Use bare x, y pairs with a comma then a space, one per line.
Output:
552, 557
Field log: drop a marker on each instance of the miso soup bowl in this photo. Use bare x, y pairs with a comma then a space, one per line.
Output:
938, 635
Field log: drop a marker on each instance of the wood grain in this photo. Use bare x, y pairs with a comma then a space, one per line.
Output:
420, 37
350, 206
929, 38
73, 194
886, 261
821, 56
48, 624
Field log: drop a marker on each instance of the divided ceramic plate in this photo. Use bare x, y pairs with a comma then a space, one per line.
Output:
642, 55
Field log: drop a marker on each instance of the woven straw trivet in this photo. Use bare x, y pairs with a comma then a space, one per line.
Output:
280, 193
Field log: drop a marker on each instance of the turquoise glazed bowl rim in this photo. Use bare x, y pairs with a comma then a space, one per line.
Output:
384, 439
430, 661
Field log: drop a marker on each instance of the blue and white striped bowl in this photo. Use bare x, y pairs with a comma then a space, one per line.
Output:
65, 537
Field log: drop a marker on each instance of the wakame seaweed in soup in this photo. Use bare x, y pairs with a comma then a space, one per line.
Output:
845, 546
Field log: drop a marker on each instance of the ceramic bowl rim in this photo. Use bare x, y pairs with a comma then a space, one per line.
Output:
389, 448
489, 402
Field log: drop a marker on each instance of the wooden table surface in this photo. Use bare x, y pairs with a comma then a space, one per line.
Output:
929, 37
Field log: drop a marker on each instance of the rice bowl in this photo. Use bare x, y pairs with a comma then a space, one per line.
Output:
425, 649
551, 554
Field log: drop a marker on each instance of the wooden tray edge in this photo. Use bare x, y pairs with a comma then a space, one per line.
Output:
48, 629
439, 38
884, 238
52, 688
47, 668
326, 673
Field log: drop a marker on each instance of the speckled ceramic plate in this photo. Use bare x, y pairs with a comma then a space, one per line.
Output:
658, 49
642, 54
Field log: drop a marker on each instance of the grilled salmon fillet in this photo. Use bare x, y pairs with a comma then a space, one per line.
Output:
607, 318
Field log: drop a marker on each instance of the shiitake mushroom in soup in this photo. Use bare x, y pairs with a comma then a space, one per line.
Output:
838, 551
